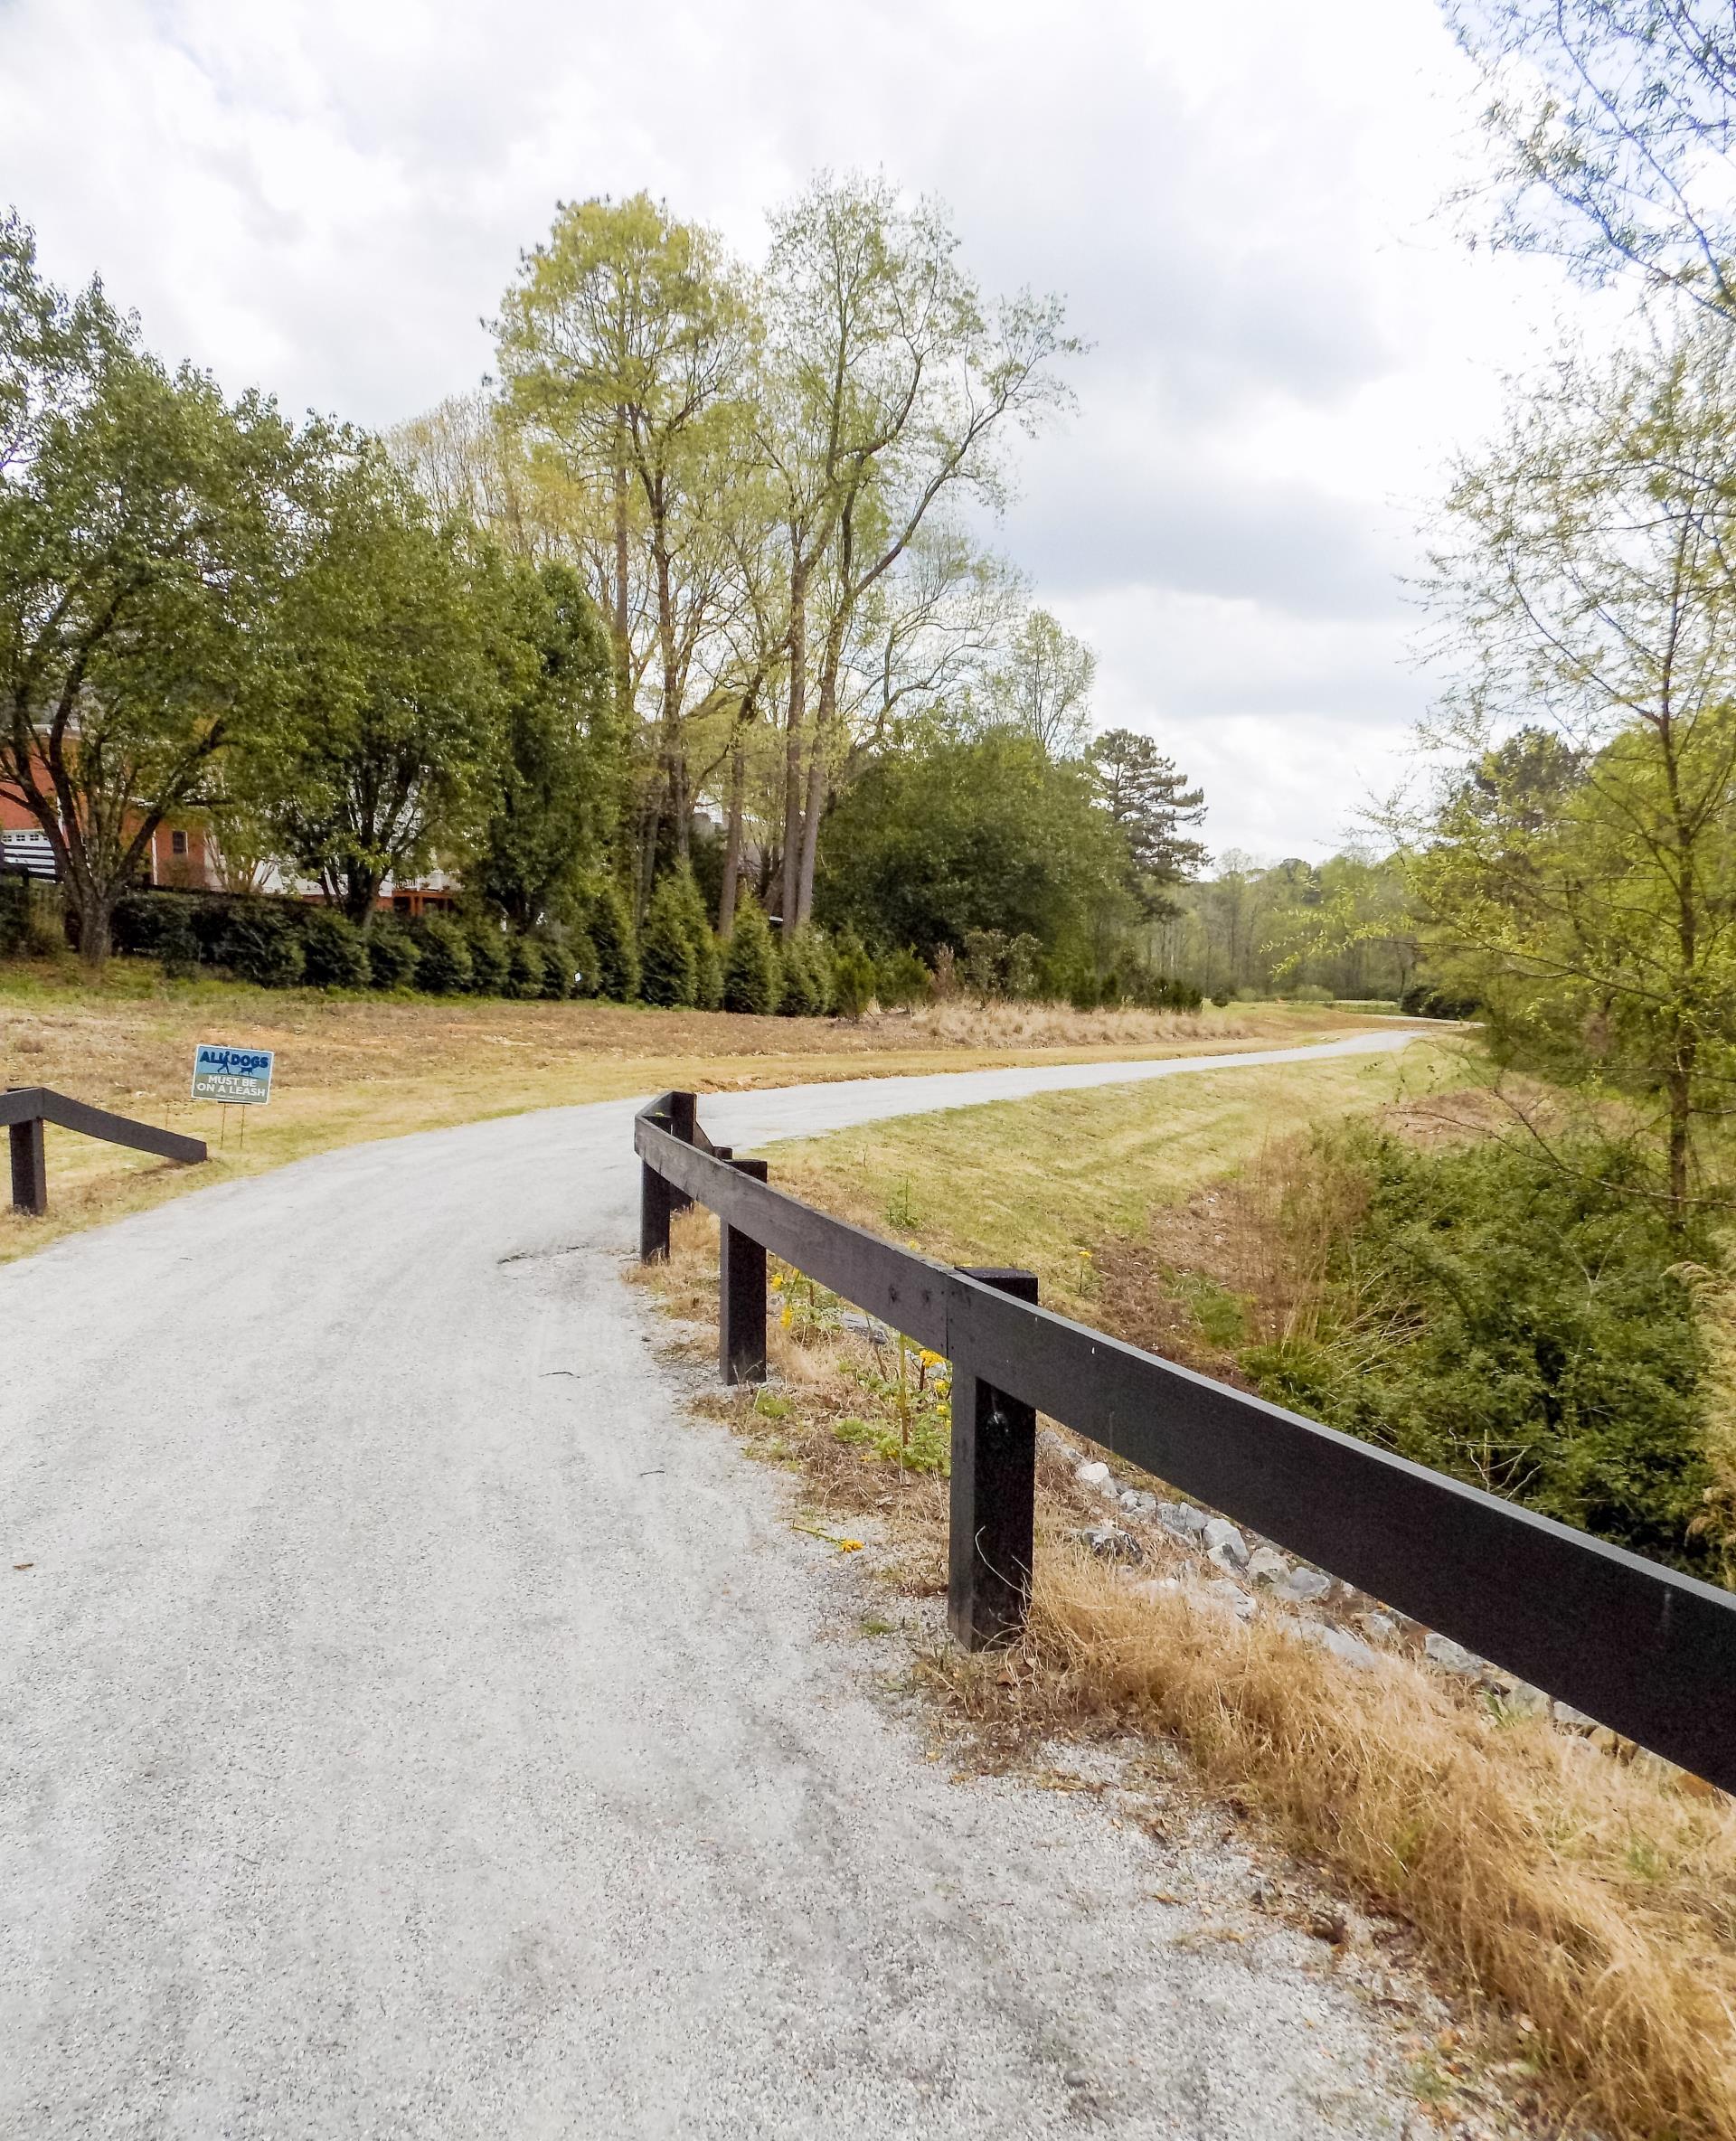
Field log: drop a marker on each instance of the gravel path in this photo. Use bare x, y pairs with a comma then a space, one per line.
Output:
415, 1724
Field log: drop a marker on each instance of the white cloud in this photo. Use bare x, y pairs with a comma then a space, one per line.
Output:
328, 199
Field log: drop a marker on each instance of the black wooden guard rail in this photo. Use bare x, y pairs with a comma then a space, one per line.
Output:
1643, 1649
24, 1108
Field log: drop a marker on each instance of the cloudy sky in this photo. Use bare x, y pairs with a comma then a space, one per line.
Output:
327, 197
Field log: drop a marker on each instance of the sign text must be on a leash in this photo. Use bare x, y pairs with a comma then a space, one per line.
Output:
235, 1075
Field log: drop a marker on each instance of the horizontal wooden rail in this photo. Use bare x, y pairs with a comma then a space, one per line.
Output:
23, 1109
1644, 1649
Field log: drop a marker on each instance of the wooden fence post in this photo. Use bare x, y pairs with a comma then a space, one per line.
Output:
741, 1296
29, 1167
683, 1120
993, 1528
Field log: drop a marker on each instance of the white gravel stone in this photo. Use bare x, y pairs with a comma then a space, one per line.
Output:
1267, 1565
1095, 1478
1182, 1518
1452, 1658
1350, 1650
1301, 1586
1140, 1505
1381, 1627
1223, 1538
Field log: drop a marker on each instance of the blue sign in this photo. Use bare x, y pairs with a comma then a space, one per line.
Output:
234, 1075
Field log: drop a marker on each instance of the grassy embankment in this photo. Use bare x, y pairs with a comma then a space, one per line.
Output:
353, 1067
1585, 1902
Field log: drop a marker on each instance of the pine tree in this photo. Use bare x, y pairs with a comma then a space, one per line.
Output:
708, 960
617, 959
1152, 803
750, 963
667, 962
806, 964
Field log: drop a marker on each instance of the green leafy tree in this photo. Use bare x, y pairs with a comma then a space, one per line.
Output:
751, 961
1043, 686
977, 834
383, 756
1588, 895
556, 785
667, 963
143, 534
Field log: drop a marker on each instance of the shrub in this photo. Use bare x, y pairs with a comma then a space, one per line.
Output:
1425, 1000
259, 944
14, 911
393, 959
805, 967
750, 960
901, 978
557, 968
855, 982
525, 969
159, 925
1525, 1324
1221, 997
490, 956
667, 963
443, 965
333, 951
617, 957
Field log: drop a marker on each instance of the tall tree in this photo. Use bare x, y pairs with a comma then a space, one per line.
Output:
896, 383
400, 666
627, 341
1043, 686
558, 782
1151, 803
1590, 891
142, 535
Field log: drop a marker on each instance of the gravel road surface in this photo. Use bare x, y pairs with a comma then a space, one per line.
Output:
412, 1722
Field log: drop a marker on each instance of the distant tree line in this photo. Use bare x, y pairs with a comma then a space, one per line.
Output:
678, 632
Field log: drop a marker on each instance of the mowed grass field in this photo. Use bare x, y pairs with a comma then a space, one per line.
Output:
1045, 1182
350, 1068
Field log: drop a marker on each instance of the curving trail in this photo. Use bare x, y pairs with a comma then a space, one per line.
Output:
413, 1724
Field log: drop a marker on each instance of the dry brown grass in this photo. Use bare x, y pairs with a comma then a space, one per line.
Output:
1596, 1899
355, 1068
1580, 1899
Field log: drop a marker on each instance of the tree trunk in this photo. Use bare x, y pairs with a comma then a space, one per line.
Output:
811, 827
96, 930
732, 841
793, 739
620, 544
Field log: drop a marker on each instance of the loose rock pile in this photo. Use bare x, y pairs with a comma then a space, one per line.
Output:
1231, 1570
